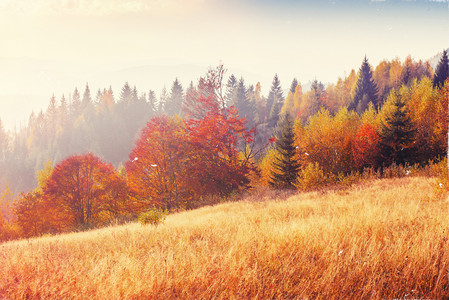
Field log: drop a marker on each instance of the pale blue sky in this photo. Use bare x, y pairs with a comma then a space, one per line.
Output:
54, 45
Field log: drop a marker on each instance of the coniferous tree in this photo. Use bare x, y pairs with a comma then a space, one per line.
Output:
275, 101
293, 86
406, 75
230, 88
285, 166
366, 90
174, 102
87, 99
243, 103
152, 101
163, 100
75, 106
126, 94
442, 71
134, 95
98, 96
397, 134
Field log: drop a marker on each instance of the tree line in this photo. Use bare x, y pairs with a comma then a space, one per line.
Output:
214, 138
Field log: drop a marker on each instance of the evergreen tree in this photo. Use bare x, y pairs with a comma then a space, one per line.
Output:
275, 101
63, 112
152, 101
293, 86
134, 95
75, 106
397, 133
98, 96
162, 100
406, 75
230, 88
243, 103
366, 90
173, 106
126, 94
285, 166
87, 99
442, 71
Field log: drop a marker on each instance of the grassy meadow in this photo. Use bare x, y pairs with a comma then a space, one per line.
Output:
382, 239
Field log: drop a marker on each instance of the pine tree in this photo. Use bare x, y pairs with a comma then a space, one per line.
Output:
366, 90
397, 134
285, 166
442, 71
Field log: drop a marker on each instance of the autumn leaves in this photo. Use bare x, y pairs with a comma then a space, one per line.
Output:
175, 163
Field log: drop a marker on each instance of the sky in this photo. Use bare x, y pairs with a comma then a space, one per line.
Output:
52, 46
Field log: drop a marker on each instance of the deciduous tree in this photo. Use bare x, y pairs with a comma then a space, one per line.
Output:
79, 191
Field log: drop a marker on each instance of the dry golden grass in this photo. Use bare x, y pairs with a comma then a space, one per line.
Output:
385, 239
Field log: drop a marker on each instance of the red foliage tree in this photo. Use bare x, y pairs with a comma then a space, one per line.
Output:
157, 168
81, 192
176, 162
216, 166
366, 146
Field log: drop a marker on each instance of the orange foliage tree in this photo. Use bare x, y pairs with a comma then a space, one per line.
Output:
328, 140
31, 214
81, 192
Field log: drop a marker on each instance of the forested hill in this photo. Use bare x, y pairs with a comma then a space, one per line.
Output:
107, 124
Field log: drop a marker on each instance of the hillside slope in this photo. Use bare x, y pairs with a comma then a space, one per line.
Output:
385, 239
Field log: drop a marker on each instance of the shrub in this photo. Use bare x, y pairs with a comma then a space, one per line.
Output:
312, 176
154, 216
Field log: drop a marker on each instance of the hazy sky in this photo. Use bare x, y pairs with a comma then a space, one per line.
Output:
51, 46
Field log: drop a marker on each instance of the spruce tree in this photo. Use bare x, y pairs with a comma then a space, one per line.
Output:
126, 94
442, 71
275, 101
230, 88
366, 90
75, 105
243, 103
173, 106
406, 75
152, 100
397, 134
87, 99
293, 86
285, 166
